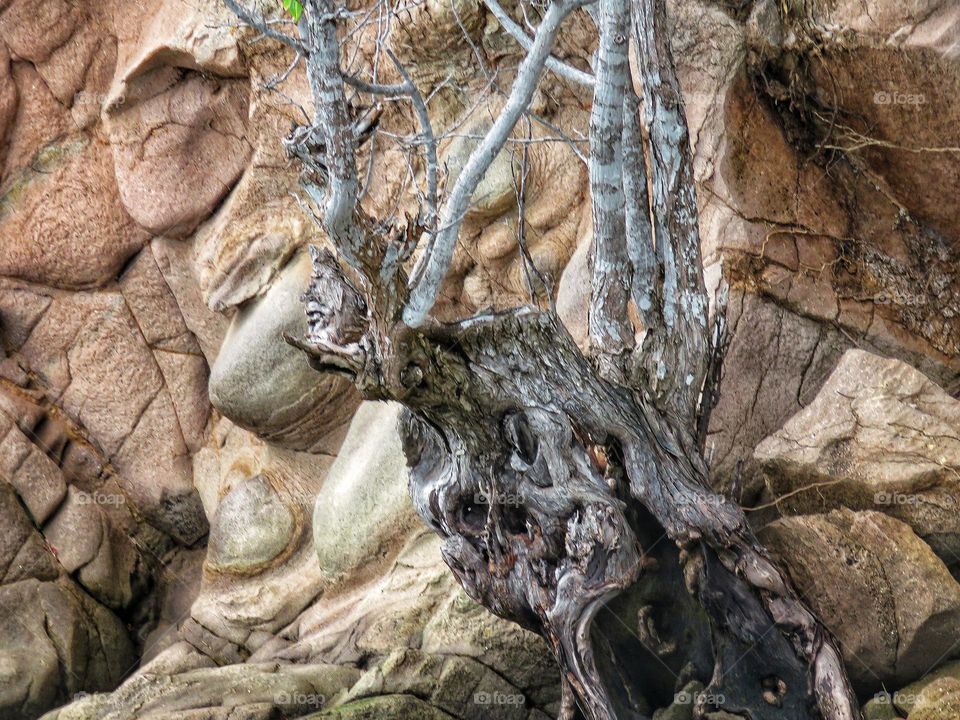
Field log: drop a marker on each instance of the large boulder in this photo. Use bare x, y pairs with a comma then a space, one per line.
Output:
363, 507
63, 222
820, 183
935, 696
878, 436
179, 145
266, 385
892, 604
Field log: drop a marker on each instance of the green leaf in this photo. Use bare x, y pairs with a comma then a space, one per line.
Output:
294, 7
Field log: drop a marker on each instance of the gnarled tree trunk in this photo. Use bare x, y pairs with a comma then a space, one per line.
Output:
570, 490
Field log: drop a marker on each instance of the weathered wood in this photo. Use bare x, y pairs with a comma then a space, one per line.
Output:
542, 477
673, 359
609, 323
552, 476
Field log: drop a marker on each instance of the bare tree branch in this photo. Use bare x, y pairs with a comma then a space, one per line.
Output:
429, 141
432, 266
332, 122
399, 89
258, 23
517, 33
611, 332
639, 231
674, 357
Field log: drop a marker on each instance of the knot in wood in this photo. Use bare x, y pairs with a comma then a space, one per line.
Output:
411, 376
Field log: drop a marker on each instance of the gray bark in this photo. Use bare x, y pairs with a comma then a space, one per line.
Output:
550, 475
611, 331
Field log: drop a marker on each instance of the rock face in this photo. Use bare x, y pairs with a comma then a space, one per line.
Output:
933, 697
879, 436
63, 223
809, 158
850, 564
52, 626
179, 488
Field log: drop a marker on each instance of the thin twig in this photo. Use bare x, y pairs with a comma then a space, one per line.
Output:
526, 42
259, 23
430, 143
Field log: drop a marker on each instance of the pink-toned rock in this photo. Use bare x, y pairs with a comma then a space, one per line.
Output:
35, 477
198, 36
8, 100
63, 224
91, 353
878, 436
259, 227
175, 349
34, 30
76, 531
40, 119
23, 553
175, 261
179, 144
775, 363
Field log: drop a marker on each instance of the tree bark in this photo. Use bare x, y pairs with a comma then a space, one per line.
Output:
569, 490
552, 488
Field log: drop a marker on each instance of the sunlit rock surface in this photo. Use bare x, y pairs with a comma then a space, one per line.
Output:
179, 486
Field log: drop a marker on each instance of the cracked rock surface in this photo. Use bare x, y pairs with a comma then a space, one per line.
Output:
193, 523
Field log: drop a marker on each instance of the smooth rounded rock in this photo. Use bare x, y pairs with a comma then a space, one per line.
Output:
363, 506
252, 526
266, 385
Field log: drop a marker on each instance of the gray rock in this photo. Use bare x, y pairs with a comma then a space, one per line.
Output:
76, 531
265, 385
363, 506
907, 698
880, 708
892, 604
878, 436
251, 527
387, 707
683, 703
245, 690
57, 642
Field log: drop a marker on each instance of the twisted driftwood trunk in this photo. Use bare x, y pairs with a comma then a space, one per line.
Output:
570, 491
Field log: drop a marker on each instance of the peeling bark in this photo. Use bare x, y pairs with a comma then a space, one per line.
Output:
554, 478
550, 487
